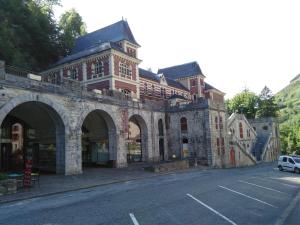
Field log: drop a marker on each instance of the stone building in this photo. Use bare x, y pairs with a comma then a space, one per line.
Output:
96, 107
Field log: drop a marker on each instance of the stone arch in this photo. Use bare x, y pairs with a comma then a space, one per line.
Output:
111, 126
53, 111
14, 102
141, 123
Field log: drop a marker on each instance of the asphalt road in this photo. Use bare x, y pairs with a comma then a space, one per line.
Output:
253, 195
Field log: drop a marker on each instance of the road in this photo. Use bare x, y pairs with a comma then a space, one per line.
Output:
252, 195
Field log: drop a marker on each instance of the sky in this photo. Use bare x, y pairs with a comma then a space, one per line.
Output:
238, 43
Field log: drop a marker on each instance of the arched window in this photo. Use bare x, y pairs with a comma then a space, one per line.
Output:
241, 130
160, 128
183, 124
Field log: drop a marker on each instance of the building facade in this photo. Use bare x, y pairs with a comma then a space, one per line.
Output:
96, 107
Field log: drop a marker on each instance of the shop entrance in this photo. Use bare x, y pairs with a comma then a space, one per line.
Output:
97, 131
32, 131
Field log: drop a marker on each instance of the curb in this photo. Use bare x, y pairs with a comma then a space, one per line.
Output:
98, 185
283, 217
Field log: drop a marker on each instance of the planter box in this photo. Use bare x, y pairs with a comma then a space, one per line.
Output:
8, 186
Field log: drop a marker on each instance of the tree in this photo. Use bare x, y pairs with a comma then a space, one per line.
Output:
28, 34
244, 102
71, 27
266, 104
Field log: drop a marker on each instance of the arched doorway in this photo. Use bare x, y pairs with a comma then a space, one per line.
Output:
32, 131
232, 156
161, 140
98, 139
137, 139
184, 134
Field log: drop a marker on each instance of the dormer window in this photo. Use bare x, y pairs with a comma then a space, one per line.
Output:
97, 70
125, 70
73, 74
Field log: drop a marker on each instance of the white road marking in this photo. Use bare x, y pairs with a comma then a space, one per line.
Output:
134, 220
276, 179
211, 209
289, 185
256, 185
247, 196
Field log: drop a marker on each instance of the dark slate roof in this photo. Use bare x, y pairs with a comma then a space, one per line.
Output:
90, 51
209, 87
113, 33
181, 71
148, 75
174, 83
155, 77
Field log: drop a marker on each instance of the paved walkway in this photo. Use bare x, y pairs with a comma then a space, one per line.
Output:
52, 184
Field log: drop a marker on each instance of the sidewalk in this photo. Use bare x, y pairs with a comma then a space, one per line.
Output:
91, 177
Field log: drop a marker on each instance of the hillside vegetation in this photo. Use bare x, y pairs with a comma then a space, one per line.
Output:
31, 38
289, 100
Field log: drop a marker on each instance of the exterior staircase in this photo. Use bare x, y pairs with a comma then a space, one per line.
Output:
258, 148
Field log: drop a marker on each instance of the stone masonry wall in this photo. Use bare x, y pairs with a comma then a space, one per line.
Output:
72, 110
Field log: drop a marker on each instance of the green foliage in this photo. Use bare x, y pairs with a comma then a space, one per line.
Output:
289, 118
29, 35
266, 105
253, 106
72, 27
244, 102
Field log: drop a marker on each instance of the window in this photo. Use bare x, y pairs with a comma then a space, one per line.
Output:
284, 159
183, 124
97, 70
265, 127
223, 145
193, 83
241, 130
127, 93
291, 161
145, 88
153, 89
218, 146
73, 74
160, 128
221, 122
125, 70
216, 122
